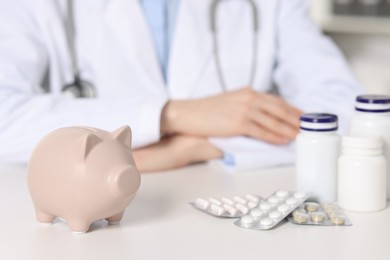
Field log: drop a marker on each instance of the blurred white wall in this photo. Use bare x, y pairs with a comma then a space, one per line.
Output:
365, 40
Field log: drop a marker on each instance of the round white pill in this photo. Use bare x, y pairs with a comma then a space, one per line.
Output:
202, 203
283, 208
240, 200
216, 209
229, 208
242, 208
265, 206
282, 193
291, 201
247, 219
275, 214
252, 205
252, 198
299, 195
273, 200
227, 201
215, 201
257, 213
266, 222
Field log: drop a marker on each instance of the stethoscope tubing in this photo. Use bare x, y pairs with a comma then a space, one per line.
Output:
217, 56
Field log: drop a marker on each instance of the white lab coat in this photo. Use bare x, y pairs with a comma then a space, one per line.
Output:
116, 53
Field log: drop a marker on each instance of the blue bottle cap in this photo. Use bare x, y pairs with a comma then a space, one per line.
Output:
319, 122
373, 103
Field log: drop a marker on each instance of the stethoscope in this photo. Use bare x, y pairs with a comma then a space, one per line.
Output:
84, 89
79, 88
213, 28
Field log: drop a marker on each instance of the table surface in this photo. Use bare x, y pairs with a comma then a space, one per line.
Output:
160, 224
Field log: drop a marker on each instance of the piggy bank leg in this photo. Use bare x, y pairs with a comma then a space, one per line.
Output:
78, 227
115, 219
43, 217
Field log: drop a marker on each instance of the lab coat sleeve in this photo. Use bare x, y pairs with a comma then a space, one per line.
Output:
27, 114
311, 74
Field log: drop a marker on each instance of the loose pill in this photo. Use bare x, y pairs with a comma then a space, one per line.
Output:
275, 214
252, 198
266, 222
216, 209
229, 208
227, 201
265, 206
242, 208
202, 203
283, 208
215, 201
240, 200
252, 205
282, 193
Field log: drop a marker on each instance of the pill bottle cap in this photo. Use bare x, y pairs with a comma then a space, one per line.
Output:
373, 103
319, 122
362, 141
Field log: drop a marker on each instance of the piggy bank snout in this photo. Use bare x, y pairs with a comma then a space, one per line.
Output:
125, 180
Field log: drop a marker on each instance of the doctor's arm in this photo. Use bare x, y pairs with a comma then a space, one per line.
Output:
28, 113
311, 72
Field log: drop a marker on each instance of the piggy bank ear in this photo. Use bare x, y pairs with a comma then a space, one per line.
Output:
88, 142
123, 135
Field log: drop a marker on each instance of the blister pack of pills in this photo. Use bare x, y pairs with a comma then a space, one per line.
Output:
272, 210
227, 207
327, 214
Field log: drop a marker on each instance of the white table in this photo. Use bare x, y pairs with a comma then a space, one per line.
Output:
160, 224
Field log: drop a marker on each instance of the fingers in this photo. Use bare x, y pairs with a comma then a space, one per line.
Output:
274, 125
255, 131
276, 107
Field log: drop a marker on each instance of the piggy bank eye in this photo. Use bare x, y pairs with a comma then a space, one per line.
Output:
123, 135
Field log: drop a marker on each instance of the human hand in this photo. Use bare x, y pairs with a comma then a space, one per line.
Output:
174, 152
242, 112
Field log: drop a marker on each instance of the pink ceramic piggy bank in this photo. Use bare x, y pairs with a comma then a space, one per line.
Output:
83, 175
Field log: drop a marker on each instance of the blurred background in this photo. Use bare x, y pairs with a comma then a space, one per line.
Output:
361, 28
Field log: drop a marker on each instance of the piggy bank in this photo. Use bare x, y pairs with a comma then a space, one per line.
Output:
82, 175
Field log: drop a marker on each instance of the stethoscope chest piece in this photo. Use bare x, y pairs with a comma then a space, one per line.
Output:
79, 89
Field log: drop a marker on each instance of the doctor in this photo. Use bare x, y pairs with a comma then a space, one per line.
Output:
190, 93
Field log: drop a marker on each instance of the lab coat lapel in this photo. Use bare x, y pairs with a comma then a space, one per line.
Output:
125, 17
191, 49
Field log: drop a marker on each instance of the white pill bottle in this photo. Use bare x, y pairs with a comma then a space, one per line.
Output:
362, 179
372, 117
318, 149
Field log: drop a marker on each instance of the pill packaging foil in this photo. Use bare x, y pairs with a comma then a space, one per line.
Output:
272, 210
227, 207
327, 214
